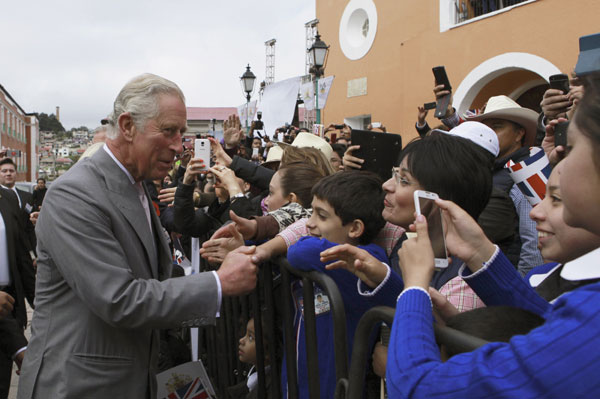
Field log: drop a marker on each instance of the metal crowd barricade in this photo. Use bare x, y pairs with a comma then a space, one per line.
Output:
353, 386
338, 314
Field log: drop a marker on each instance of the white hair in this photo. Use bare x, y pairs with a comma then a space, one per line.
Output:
139, 97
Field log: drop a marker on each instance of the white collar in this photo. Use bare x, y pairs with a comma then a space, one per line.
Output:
109, 152
537, 279
585, 267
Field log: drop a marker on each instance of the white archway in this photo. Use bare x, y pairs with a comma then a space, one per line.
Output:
497, 66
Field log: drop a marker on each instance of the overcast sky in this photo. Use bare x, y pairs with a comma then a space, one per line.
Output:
77, 54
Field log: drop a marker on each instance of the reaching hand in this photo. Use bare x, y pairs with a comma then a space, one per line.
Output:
6, 304
219, 153
195, 167
421, 115
464, 237
232, 131
555, 104
237, 273
416, 257
440, 92
358, 261
555, 154
443, 310
351, 162
247, 227
228, 179
215, 250
167, 195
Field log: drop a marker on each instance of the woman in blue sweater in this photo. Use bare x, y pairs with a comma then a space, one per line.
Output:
560, 358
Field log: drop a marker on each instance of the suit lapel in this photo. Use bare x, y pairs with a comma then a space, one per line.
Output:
125, 197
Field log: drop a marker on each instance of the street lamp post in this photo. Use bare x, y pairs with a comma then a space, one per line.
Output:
318, 58
247, 80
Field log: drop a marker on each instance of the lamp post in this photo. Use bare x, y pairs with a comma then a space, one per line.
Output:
318, 58
247, 80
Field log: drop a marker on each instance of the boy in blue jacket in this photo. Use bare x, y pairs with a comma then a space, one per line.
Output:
347, 209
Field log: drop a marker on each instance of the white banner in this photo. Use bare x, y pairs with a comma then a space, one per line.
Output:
279, 103
307, 92
251, 112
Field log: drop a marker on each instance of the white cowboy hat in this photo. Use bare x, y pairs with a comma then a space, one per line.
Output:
503, 107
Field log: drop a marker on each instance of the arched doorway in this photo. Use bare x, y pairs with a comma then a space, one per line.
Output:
521, 76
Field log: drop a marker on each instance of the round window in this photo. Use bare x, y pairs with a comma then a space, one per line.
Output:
357, 28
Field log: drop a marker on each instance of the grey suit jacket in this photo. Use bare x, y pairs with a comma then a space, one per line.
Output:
102, 290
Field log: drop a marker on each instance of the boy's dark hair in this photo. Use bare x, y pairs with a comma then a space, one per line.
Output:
8, 161
494, 323
453, 167
354, 195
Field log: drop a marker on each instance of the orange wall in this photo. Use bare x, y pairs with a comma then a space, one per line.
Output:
408, 44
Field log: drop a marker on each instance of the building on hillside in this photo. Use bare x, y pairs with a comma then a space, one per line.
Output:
382, 53
19, 131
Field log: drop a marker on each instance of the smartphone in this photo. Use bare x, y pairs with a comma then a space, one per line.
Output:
560, 82
333, 138
376, 125
560, 134
441, 78
202, 151
255, 152
430, 105
425, 205
338, 127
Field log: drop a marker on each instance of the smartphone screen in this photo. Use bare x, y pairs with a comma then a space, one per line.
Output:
426, 206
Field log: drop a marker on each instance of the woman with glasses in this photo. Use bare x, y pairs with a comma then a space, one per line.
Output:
450, 166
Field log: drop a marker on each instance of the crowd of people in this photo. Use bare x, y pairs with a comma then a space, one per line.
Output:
105, 262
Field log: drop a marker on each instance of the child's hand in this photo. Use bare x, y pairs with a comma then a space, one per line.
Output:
416, 257
215, 250
443, 310
357, 261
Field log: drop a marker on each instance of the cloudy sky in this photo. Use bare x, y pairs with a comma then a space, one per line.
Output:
77, 54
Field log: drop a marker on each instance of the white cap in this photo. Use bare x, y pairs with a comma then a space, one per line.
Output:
478, 133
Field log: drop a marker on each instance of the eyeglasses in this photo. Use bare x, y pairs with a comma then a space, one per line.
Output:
399, 179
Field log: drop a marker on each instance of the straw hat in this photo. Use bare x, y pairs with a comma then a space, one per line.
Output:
304, 139
503, 107
274, 154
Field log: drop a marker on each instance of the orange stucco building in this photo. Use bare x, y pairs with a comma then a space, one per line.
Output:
382, 52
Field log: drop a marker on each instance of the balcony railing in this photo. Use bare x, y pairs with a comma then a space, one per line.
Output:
469, 9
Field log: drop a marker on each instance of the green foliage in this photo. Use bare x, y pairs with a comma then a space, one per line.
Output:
49, 123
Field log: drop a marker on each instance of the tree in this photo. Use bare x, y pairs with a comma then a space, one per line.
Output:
49, 123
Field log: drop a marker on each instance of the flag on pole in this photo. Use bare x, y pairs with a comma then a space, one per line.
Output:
324, 87
307, 92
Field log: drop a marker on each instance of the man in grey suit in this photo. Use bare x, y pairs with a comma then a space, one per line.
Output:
103, 287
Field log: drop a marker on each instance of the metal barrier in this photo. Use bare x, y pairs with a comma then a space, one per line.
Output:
218, 344
338, 315
352, 388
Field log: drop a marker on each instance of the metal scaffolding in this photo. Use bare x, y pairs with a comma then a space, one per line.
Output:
270, 62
